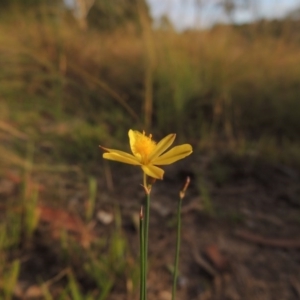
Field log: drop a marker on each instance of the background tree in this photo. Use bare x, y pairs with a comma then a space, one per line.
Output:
28, 3
107, 14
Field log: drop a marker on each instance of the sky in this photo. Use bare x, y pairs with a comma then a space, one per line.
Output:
184, 14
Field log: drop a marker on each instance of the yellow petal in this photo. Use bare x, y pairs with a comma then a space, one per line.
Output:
153, 171
127, 159
122, 153
132, 138
162, 146
173, 155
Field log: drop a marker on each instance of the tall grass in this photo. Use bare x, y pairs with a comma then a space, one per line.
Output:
222, 84
234, 84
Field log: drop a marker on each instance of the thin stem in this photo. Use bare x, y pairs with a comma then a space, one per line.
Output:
178, 238
177, 248
146, 231
146, 238
142, 257
145, 182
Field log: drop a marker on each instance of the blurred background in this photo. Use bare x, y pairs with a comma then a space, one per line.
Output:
224, 75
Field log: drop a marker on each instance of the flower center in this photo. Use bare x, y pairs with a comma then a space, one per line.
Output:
143, 147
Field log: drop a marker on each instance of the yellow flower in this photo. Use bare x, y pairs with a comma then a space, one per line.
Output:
148, 154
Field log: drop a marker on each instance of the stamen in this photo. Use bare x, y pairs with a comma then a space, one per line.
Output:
143, 146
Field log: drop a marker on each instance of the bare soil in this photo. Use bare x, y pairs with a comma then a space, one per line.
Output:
240, 228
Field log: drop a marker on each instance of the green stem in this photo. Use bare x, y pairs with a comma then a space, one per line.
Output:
146, 231
177, 248
146, 238
142, 257
181, 196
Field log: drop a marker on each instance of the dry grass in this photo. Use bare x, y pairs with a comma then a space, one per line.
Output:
224, 84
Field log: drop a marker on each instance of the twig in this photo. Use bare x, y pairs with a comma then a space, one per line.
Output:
295, 285
204, 264
265, 241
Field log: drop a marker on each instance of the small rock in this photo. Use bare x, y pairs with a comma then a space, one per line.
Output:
164, 295
105, 217
34, 291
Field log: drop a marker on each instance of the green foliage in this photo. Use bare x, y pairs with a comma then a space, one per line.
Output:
220, 172
75, 290
177, 84
10, 277
109, 15
81, 138
98, 270
28, 4
206, 197
92, 198
10, 230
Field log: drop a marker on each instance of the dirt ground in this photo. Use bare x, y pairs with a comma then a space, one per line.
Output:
240, 227
240, 230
